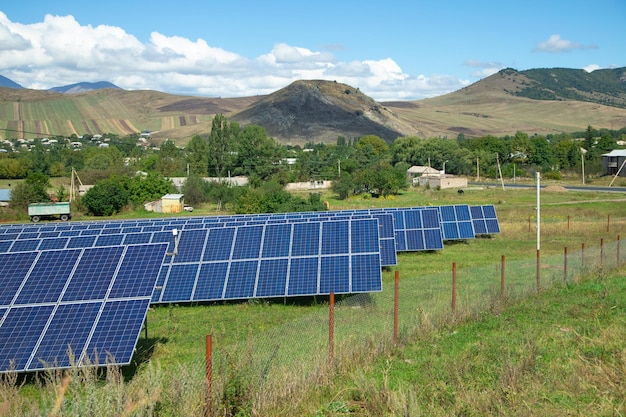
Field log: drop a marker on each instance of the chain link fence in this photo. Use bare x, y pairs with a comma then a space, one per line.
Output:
279, 365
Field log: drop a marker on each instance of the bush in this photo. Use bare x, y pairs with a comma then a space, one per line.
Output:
553, 175
105, 198
32, 190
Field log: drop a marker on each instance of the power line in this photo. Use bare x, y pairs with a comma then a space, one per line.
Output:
31, 133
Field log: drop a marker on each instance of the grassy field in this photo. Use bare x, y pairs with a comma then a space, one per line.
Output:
501, 354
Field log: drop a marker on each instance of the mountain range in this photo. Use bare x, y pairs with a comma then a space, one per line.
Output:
537, 101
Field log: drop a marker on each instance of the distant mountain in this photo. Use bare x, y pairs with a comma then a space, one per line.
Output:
5, 82
82, 87
543, 101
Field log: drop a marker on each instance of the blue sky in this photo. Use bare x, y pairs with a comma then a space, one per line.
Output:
394, 50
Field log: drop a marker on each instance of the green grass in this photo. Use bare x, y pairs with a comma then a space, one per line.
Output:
553, 354
271, 358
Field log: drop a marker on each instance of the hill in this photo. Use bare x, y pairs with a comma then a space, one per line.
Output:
538, 101
82, 87
320, 111
507, 102
5, 82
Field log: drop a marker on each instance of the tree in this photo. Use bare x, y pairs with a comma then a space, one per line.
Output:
149, 188
11, 168
257, 154
32, 190
169, 162
220, 144
103, 158
590, 135
370, 150
520, 147
106, 198
606, 143
196, 190
343, 186
541, 152
197, 153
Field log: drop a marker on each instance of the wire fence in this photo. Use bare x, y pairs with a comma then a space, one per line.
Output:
280, 364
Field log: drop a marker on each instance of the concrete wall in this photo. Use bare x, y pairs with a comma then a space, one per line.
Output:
171, 205
310, 185
443, 182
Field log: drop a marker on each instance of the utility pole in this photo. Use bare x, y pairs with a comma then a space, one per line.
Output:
500, 170
583, 151
477, 169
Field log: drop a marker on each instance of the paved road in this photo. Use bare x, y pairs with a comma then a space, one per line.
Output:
568, 187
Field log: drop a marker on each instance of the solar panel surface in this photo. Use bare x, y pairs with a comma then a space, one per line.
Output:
81, 306
485, 220
456, 222
273, 260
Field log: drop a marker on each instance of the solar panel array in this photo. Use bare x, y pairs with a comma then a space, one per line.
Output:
273, 260
60, 308
86, 286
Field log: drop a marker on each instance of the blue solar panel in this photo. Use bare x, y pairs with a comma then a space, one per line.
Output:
417, 229
115, 337
183, 278
456, 222
275, 260
485, 220
81, 306
305, 239
277, 240
272, 280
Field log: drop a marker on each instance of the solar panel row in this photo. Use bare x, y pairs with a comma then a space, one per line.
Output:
84, 235
273, 260
61, 308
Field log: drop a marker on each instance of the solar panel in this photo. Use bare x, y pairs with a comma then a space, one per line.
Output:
456, 222
80, 306
485, 220
417, 229
273, 260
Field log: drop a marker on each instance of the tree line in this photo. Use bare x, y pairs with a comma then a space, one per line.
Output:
365, 165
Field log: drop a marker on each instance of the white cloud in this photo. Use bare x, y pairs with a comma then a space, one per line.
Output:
555, 44
484, 69
592, 67
60, 51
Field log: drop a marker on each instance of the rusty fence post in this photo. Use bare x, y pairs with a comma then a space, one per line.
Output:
601, 252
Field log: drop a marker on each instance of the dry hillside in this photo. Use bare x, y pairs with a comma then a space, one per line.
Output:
534, 101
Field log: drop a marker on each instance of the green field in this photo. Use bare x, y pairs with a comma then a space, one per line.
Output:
510, 353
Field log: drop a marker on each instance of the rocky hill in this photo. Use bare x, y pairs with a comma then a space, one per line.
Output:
321, 111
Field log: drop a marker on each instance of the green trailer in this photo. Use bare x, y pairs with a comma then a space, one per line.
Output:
38, 211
